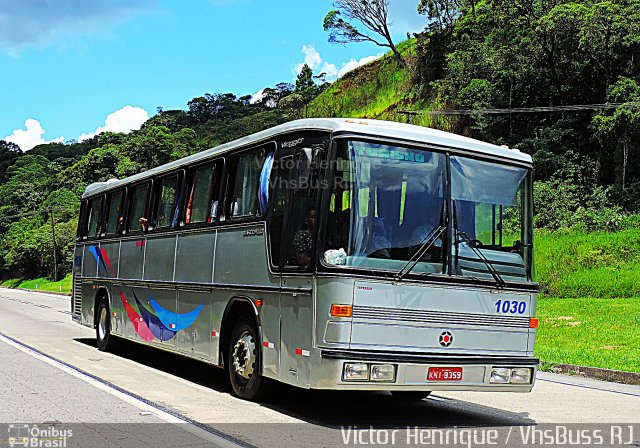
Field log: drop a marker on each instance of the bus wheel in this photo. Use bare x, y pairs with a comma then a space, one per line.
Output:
103, 327
409, 395
243, 361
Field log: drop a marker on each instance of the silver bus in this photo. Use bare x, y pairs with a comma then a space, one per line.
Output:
325, 254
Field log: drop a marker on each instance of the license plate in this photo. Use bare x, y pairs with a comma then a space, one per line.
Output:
444, 374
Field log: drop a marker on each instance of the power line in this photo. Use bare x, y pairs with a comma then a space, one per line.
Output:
543, 109
37, 212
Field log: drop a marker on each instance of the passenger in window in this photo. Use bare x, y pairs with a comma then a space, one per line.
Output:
302, 241
144, 223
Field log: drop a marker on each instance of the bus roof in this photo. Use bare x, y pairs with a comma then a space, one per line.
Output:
361, 127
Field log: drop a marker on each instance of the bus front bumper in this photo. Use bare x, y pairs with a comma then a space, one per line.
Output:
422, 372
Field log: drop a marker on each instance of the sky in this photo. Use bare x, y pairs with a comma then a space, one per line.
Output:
72, 68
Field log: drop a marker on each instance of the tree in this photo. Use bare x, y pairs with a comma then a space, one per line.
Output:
372, 14
272, 96
444, 13
306, 86
621, 129
9, 153
218, 106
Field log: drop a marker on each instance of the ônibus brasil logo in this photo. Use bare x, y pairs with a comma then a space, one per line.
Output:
35, 436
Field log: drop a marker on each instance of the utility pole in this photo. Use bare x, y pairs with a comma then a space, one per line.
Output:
55, 249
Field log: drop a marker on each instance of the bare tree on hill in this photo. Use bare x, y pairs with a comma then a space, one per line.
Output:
371, 14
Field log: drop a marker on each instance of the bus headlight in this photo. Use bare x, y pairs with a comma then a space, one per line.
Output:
356, 372
383, 372
517, 375
500, 375
521, 376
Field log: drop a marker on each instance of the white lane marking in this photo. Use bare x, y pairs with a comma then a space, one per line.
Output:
145, 407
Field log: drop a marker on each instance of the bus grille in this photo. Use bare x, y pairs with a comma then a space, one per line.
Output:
437, 317
77, 296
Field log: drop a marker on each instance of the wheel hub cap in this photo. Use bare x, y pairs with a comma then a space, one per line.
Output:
244, 357
102, 323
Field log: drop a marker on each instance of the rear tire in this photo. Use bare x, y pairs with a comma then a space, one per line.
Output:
409, 395
104, 339
243, 360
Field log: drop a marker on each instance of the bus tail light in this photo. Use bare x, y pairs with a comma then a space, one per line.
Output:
533, 322
341, 310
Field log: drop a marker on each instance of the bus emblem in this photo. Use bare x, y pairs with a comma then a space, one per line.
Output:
446, 339
292, 143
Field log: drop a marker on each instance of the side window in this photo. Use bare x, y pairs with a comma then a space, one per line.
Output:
244, 181
165, 202
301, 231
82, 228
115, 212
280, 184
301, 223
138, 216
95, 216
202, 194
339, 216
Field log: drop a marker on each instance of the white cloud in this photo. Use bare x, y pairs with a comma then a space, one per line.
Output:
330, 70
127, 119
37, 22
313, 59
31, 136
257, 97
353, 64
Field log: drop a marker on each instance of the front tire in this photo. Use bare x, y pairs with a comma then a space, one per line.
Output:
409, 395
243, 361
104, 339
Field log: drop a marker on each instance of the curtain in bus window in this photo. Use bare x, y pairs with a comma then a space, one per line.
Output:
264, 183
138, 219
200, 193
246, 184
166, 201
95, 215
114, 218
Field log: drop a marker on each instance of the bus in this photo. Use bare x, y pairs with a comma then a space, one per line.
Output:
325, 254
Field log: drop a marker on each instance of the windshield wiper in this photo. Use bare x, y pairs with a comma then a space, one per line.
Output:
425, 245
492, 270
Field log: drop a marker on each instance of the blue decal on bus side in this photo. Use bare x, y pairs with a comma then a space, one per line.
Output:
98, 256
175, 321
155, 325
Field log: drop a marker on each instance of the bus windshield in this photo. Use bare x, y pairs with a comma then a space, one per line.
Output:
388, 211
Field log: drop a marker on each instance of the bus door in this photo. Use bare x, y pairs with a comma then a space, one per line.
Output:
296, 250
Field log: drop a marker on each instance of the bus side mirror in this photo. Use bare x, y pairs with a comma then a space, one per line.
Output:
304, 185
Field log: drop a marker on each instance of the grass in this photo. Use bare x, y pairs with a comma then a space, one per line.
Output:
590, 332
41, 284
574, 263
376, 90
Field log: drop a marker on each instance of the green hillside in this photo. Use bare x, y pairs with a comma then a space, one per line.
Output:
376, 90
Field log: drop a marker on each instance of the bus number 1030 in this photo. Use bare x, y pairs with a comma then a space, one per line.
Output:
511, 307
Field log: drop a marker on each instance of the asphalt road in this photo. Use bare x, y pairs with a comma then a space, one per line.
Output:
135, 390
